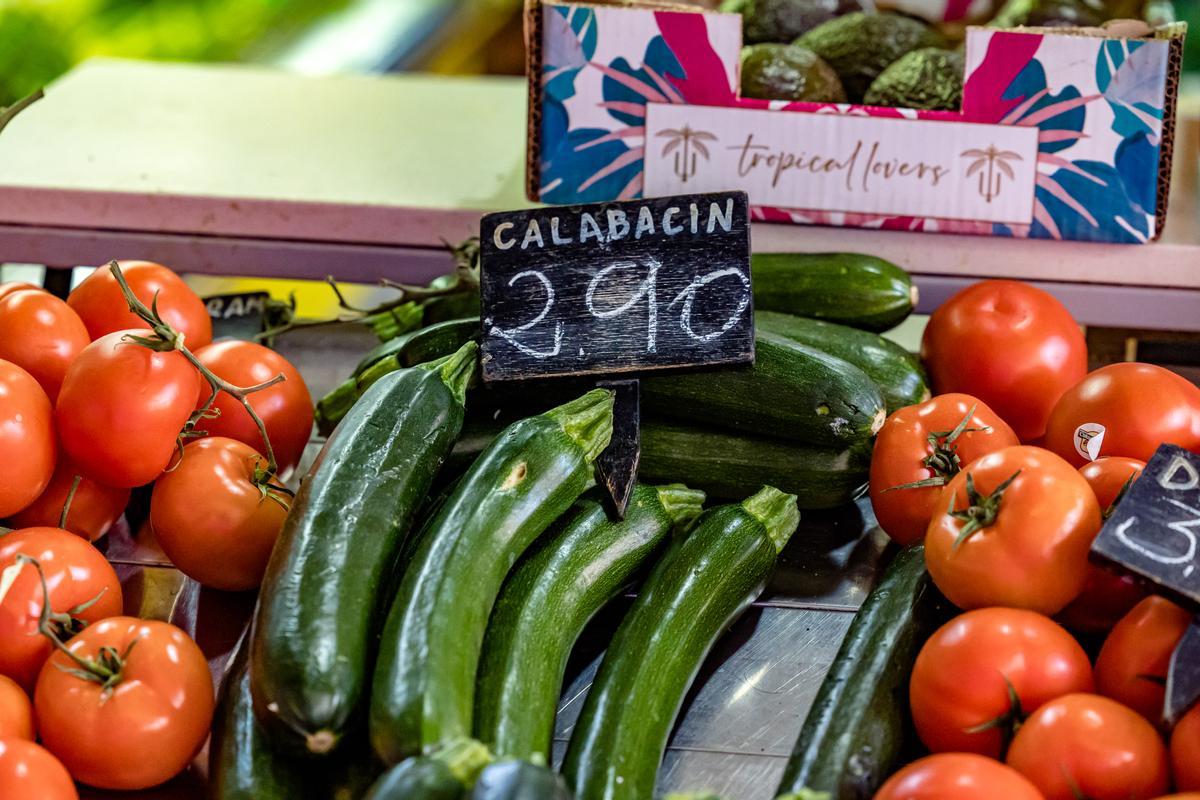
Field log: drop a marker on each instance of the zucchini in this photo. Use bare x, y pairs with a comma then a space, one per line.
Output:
406, 350
424, 687
319, 607
242, 765
695, 592
896, 371
854, 732
793, 391
851, 288
463, 303
423, 344
446, 775
730, 465
548, 600
520, 780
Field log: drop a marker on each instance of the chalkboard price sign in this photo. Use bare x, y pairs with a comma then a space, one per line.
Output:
1154, 530
1183, 675
617, 287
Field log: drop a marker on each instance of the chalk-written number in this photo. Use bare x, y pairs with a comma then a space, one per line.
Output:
1180, 475
603, 302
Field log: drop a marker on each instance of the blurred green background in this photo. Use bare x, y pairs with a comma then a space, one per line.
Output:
41, 39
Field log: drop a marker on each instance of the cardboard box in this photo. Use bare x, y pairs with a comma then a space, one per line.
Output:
1063, 134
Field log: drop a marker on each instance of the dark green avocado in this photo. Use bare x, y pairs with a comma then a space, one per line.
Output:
784, 20
861, 46
788, 72
929, 78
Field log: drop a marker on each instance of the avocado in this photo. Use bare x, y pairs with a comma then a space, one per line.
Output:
784, 20
929, 78
788, 72
860, 46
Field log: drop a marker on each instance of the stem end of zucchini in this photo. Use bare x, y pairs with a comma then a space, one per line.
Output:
335, 405
777, 511
805, 794
681, 503
457, 369
465, 758
588, 420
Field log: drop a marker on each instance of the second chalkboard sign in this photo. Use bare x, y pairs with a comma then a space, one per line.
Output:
617, 287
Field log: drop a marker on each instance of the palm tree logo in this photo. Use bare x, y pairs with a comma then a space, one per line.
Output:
688, 143
990, 164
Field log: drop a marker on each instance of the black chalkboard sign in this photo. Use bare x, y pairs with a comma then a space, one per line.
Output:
1183, 675
1154, 530
617, 287
237, 316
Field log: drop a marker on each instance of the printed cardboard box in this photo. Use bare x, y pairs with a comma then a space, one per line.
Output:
1062, 134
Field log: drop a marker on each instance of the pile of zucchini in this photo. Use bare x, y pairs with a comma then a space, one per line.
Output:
447, 549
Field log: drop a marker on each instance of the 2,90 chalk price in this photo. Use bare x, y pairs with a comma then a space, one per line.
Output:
617, 287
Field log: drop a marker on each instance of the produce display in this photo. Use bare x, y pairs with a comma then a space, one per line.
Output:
423, 586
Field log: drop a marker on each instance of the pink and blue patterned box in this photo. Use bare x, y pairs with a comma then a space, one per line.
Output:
1061, 135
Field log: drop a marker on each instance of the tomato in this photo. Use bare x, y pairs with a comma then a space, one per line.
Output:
30, 772
957, 776
1027, 546
151, 723
1185, 751
26, 439
16, 713
121, 409
103, 309
1085, 745
914, 445
963, 674
210, 517
42, 335
76, 573
1012, 345
94, 508
286, 408
1108, 593
1126, 409
1132, 665
18, 286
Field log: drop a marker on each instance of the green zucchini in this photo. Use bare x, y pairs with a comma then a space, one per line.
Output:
548, 600
391, 323
694, 594
854, 289
445, 775
424, 687
729, 465
896, 371
319, 606
406, 350
793, 391
854, 732
463, 303
520, 780
423, 344
242, 765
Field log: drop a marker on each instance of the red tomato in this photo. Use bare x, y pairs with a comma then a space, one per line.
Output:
29, 772
286, 408
1132, 665
225, 541
963, 674
1085, 745
1108, 593
16, 712
42, 335
121, 409
94, 508
1010, 344
913, 445
957, 776
26, 439
1185, 751
17, 286
76, 573
153, 722
1127, 410
102, 307
1180, 796
1030, 541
